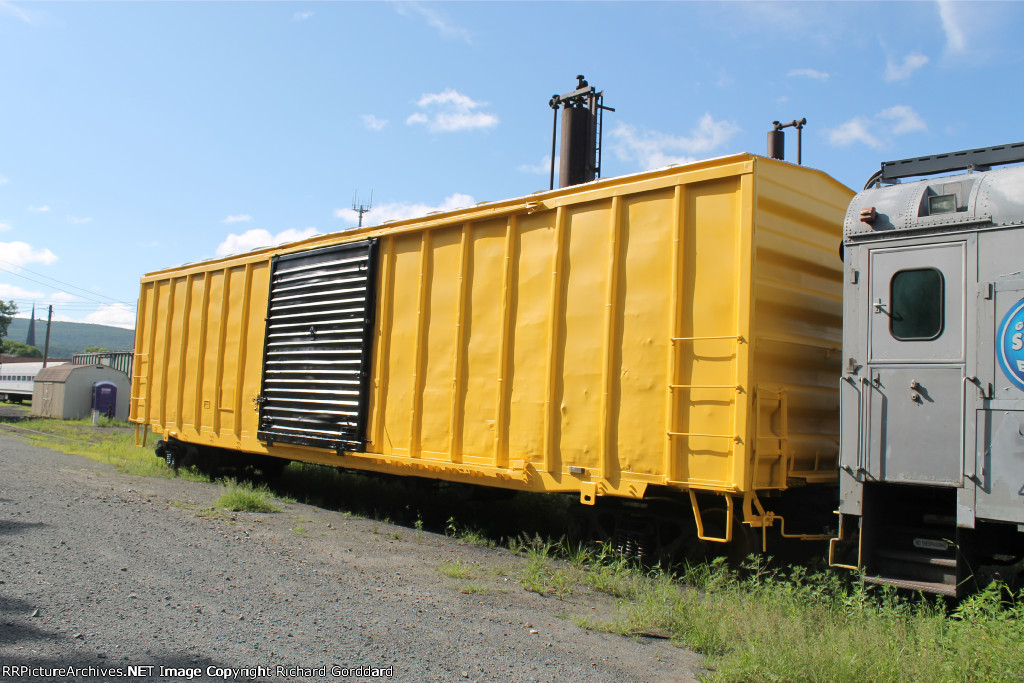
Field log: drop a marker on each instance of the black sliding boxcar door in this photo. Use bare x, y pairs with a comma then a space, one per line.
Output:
316, 361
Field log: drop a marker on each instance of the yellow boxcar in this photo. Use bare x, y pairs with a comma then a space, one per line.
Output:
671, 331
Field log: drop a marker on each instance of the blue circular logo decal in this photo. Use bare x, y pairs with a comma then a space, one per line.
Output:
1010, 344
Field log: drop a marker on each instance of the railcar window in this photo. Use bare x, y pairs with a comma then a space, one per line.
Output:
943, 203
917, 298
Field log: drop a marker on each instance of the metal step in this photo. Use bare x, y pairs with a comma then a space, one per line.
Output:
924, 586
910, 538
902, 556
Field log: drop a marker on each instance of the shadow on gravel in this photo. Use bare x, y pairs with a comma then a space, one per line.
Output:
17, 628
13, 612
9, 527
490, 514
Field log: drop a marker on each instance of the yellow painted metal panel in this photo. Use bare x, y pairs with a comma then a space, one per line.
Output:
708, 347
403, 332
643, 338
192, 319
530, 292
251, 352
211, 359
163, 336
442, 328
232, 349
480, 344
674, 327
797, 296
580, 351
503, 384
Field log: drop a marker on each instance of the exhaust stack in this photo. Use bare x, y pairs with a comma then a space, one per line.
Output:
777, 140
582, 127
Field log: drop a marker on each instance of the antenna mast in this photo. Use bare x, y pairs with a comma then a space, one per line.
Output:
361, 208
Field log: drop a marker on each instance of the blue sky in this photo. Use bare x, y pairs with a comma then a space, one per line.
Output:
136, 136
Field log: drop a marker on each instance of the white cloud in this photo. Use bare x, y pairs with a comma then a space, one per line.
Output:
115, 315
904, 118
3, 180
398, 211
442, 25
373, 123
854, 130
451, 111
20, 253
952, 24
39, 209
255, 239
8, 292
5, 226
148, 245
543, 167
10, 8
653, 149
877, 131
903, 71
79, 221
809, 73
238, 218
301, 16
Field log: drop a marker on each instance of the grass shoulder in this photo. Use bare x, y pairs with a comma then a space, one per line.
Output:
244, 496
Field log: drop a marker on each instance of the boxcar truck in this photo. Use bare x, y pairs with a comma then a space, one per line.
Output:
670, 339
932, 390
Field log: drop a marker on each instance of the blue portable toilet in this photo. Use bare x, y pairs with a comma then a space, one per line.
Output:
104, 398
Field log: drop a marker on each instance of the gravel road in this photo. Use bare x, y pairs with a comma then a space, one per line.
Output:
104, 570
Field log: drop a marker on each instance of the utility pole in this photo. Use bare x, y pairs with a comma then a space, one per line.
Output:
46, 349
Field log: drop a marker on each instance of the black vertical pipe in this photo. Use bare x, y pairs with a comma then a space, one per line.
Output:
554, 134
577, 162
776, 144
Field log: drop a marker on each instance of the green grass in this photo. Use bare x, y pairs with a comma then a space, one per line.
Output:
111, 442
471, 581
244, 496
203, 512
456, 570
467, 536
768, 625
762, 624
543, 573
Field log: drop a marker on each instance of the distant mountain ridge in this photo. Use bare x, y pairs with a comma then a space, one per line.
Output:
67, 339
